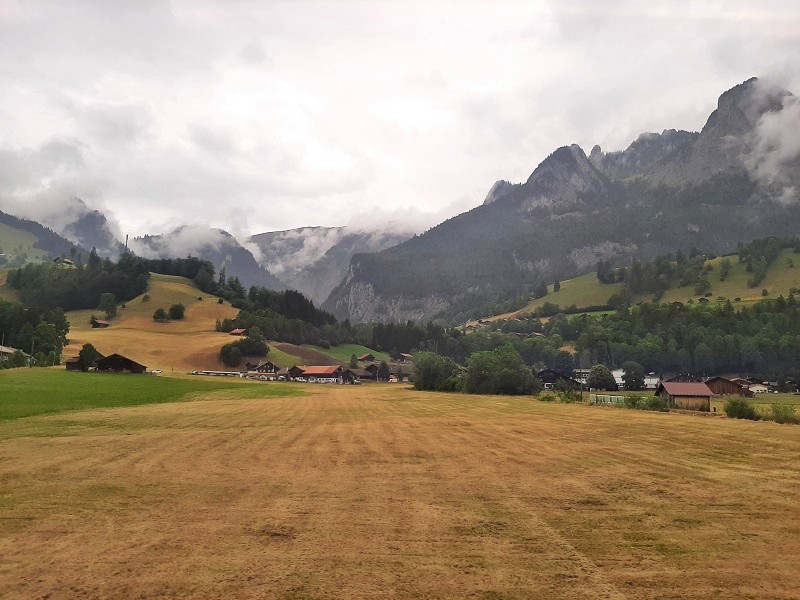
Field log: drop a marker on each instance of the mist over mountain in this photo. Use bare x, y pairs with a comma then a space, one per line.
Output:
314, 260
214, 245
735, 180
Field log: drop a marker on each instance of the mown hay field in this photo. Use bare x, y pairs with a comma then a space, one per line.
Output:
379, 491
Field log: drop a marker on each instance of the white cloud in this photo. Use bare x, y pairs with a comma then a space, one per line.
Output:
256, 116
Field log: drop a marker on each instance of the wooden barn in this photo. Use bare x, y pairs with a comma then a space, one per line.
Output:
74, 364
689, 395
366, 357
116, 363
98, 324
726, 387
238, 331
353, 374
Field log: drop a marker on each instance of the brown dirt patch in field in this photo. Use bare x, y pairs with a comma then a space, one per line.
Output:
380, 491
306, 356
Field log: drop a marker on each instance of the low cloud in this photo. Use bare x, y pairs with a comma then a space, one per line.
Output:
182, 242
774, 157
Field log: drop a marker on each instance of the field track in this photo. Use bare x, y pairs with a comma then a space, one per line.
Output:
381, 492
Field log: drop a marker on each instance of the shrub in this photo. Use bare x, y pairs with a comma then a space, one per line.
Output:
146, 298
655, 403
783, 413
632, 401
160, 315
221, 301
569, 396
176, 311
765, 292
739, 408
324, 344
547, 398
231, 355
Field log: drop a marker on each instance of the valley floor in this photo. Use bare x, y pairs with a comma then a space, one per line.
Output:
379, 491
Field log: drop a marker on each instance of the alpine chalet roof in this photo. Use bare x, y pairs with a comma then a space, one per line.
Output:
687, 388
321, 370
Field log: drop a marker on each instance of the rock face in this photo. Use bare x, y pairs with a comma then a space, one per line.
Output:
214, 245
735, 180
92, 230
314, 260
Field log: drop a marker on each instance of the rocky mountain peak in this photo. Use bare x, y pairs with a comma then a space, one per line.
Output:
500, 188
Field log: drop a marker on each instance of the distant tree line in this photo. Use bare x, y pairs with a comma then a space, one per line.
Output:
43, 331
46, 286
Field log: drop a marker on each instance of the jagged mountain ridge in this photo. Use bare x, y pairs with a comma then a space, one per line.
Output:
665, 191
314, 260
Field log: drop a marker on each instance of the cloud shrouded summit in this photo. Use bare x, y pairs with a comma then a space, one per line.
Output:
266, 116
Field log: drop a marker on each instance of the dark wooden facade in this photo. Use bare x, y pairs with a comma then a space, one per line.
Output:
725, 387
120, 364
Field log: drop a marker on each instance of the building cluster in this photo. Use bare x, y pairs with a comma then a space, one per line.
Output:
679, 391
268, 371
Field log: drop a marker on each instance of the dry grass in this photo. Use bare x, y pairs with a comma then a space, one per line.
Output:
380, 491
191, 343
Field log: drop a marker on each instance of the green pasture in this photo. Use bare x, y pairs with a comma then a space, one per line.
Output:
26, 392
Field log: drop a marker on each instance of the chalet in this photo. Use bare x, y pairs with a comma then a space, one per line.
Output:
689, 395
116, 363
373, 368
366, 357
727, 387
238, 331
262, 367
551, 377
323, 374
6, 351
352, 375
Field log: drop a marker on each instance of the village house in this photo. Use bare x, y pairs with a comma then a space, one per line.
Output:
261, 367
688, 395
758, 388
6, 351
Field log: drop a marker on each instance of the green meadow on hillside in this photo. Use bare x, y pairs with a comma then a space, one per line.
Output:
27, 392
343, 352
586, 291
16, 242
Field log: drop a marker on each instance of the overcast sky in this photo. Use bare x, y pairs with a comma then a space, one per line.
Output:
258, 116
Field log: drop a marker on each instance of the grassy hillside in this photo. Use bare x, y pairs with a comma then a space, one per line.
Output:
191, 343
188, 344
586, 290
15, 242
343, 352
